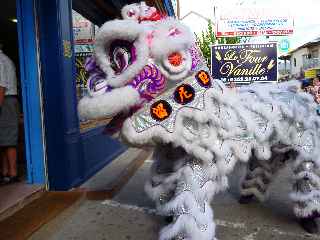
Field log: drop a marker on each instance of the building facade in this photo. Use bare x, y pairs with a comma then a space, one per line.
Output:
58, 153
305, 60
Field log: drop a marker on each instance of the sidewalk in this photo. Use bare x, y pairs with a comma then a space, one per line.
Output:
130, 216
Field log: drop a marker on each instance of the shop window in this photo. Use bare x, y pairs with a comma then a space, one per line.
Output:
315, 54
84, 37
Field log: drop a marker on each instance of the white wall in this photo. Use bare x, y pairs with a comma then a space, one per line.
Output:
295, 70
298, 55
196, 23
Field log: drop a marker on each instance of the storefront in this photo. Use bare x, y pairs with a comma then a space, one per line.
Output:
59, 153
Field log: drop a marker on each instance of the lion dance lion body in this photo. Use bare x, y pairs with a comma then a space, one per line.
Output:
200, 128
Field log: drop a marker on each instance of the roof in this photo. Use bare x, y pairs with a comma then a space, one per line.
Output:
312, 43
285, 56
195, 13
100, 11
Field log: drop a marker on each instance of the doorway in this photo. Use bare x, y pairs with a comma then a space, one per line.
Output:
30, 175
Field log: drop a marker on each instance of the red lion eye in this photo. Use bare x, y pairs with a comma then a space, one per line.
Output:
175, 59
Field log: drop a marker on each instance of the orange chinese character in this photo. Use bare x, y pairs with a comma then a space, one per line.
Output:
160, 111
203, 77
184, 94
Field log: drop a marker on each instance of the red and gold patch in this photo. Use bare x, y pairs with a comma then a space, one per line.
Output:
160, 110
203, 79
184, 94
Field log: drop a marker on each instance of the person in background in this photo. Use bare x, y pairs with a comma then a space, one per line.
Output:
315, 90
9, 120
305, 84
233, 86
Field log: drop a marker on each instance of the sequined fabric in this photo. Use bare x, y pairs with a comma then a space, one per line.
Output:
144, 121
220, 127
190, 199
306, 189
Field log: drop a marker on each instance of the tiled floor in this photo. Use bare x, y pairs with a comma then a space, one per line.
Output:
14, 195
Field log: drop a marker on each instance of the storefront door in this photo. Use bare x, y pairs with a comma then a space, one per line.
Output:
72, 156
31, 91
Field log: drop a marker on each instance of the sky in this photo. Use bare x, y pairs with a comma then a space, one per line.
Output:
306, 14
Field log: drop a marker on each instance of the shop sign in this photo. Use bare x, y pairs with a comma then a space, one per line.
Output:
240, 21
83, 49
245, 63
284, 45
311, 73
83, 29
67, 51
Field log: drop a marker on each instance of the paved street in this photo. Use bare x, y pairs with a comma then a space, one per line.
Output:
130, 215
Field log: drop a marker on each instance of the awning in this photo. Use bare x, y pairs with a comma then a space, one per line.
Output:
100, 11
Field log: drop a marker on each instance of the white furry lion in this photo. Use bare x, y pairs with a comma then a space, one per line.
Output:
199, 128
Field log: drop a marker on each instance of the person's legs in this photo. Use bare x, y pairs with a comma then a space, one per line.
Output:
4, 163
9, 125
259, 176
11, 155
257, 180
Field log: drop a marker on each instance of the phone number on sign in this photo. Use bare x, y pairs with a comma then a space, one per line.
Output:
245, 79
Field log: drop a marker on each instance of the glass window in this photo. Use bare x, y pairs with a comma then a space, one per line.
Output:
84, 36
315, 53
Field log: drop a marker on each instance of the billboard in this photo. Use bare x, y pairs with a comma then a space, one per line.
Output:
83, 29
245, 63
310, 73
240, 21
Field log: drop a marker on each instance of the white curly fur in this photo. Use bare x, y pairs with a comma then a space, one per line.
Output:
246, 109
108, 104
190, 168
123, 30
163, 44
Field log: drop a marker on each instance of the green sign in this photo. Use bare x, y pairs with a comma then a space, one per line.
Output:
284, 45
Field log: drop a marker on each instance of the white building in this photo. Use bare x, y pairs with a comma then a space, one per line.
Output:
196, 22
305, 60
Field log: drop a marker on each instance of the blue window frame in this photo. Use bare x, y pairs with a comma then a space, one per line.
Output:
29, 67
45, 36
72, 157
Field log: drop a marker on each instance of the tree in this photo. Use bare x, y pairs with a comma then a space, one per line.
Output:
208, 38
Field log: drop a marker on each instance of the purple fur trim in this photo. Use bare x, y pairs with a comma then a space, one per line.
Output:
149, 82
95, 74
196, 58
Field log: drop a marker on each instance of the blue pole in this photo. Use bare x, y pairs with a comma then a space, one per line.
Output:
169, 7
31, 96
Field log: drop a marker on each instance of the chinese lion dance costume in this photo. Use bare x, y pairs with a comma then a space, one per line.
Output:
147, 68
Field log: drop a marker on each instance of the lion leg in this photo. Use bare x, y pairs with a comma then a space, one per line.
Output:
259, 176
306, 193
256, 181
185, 193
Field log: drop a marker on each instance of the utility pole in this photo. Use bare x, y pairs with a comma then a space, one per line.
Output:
215, 22
178, 9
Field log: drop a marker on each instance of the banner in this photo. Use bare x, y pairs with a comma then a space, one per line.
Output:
83, 49
240, 21
82, 52
244, 63
83, 29
310, 73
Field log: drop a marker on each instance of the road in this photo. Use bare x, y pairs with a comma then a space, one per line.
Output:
131, 215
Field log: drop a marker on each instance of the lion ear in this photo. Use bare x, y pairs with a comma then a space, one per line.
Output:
120, 30
174, 31
131, 11
171, 35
